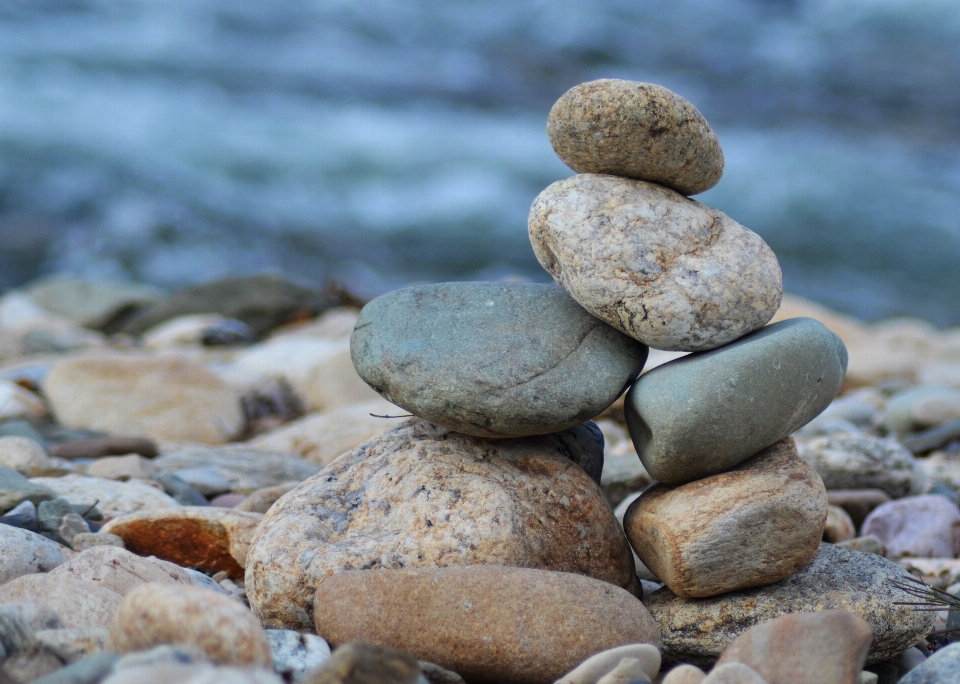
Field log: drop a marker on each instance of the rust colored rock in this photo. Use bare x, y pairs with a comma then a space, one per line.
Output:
636, 130
157, 614
97, 447
487, 623
825, 647
209, 539
756, 524
419, 496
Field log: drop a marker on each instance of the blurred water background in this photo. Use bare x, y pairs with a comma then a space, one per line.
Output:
396, 141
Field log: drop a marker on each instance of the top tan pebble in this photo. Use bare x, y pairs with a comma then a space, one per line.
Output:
635, 130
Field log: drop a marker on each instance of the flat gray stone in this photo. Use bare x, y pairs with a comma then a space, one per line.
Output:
242, 468
860, 461
23, 553
940, 668
15, 489
492, 359
698, 630
704, 413
666, 270
636, 130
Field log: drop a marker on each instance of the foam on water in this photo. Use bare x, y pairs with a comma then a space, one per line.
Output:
391, 142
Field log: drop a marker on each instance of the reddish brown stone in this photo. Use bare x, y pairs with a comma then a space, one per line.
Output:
488, 623
805, 648
209, 539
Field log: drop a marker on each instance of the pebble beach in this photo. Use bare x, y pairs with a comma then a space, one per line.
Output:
659, 469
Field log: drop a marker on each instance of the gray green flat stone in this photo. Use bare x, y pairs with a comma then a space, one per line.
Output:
705, 413
493, 359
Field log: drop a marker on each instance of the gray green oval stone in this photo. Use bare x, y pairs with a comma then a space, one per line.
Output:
705, 413
493, 359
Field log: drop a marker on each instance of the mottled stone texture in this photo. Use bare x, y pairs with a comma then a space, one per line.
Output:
704, 413
158, 614
863, 462
666, 270
825, 647
750, 526
493, 359
635, 130
487, 623
698, 630
421, 496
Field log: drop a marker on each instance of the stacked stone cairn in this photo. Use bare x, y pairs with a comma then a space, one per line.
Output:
475, 533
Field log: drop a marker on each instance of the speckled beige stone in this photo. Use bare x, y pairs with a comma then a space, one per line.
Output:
635, 130
161, 397
79, 604
24, 455
666, 270
698, 630
321, 437
156, 614
421, 496
487, 623
207, 538
755, 524
121, 571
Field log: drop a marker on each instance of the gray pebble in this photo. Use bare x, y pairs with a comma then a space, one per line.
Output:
207, 481
15, 489
940, 668
181, 491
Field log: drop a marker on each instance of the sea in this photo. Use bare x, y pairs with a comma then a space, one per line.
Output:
390, 142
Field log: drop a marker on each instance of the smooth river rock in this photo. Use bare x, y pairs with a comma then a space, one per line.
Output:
822, 647
486, 623
157, 614
120, 571
493, 359
421, 496
161, 397
23, 553
666, 270
635, 130
704, 413
918, 526
79, 604
698, 630
756, 524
